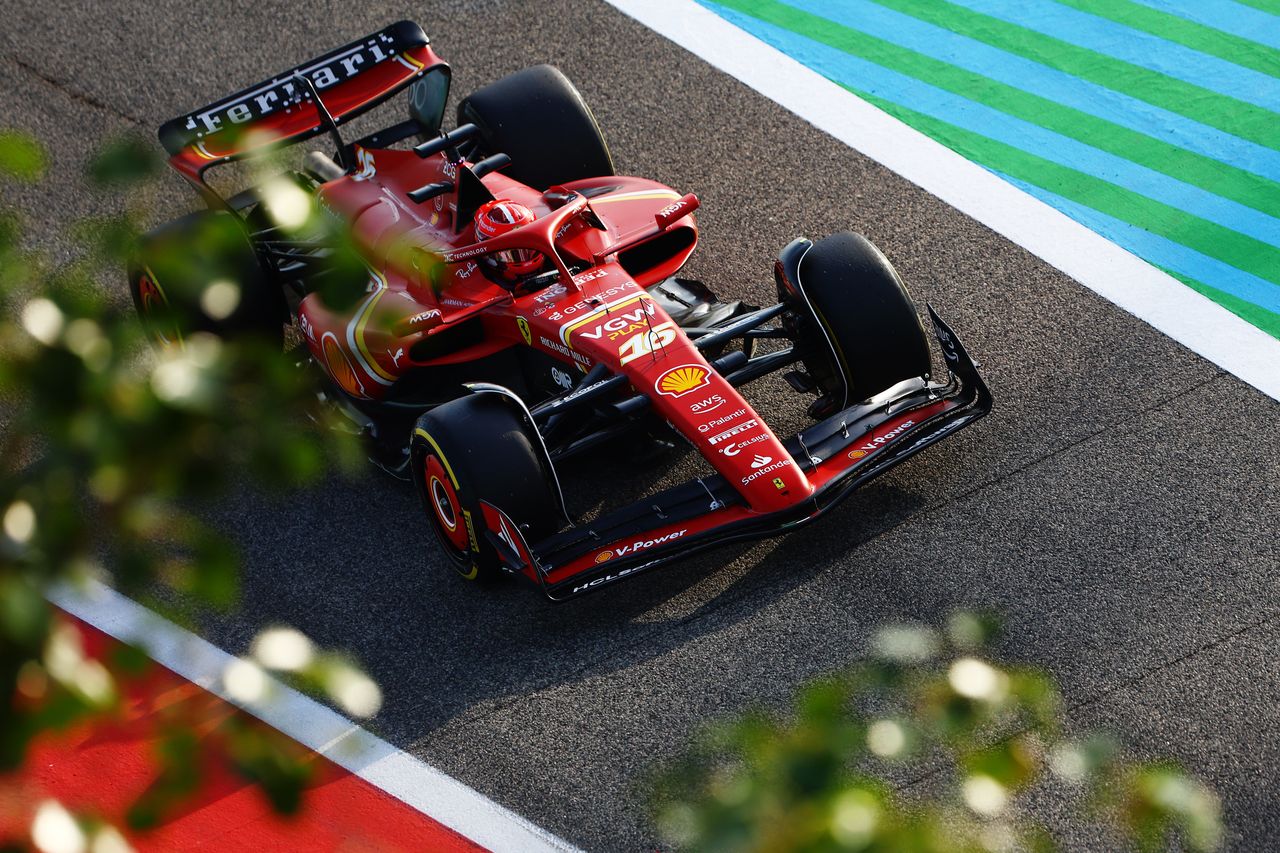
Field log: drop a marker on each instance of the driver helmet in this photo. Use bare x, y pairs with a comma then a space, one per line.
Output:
498, 217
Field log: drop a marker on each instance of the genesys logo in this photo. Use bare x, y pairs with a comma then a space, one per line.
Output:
880, 440
639, 545
708, 404
721, 437
766, 467
715, 423
682, 380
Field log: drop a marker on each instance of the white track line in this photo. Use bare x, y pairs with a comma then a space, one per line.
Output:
1123, 278
417, 784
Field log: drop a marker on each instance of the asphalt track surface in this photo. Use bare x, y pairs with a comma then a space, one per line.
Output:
1118, 507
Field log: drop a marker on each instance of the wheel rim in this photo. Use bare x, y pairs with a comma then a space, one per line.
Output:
446, 514
156, 314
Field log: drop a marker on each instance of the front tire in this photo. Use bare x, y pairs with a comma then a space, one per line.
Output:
857, 302
538, 117
477, 447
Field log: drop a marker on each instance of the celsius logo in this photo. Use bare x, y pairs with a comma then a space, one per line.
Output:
735, 449
710, 404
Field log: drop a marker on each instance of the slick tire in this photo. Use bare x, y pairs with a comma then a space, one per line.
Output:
200, 273
864, 310
538, 118
478, 447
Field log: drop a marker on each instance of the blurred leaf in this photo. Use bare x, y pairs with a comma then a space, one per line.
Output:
120, 455
122, 162
21, 156
801, 783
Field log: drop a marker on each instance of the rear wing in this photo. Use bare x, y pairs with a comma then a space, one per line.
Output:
280, 111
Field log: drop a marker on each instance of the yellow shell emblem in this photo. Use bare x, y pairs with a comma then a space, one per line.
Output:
604, 556
679, 381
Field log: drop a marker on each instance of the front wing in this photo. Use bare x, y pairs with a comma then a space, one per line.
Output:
838, 454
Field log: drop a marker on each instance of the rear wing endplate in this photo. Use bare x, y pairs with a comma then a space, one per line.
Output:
279, 111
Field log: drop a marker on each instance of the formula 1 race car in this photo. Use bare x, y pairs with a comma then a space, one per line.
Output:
523, 307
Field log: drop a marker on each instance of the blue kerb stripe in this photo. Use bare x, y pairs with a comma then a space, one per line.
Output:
1051, 84
1235, 18
1136, 47
1166, 253
1024, 136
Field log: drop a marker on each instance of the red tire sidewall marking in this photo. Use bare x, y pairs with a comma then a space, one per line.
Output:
155, 310
443, 499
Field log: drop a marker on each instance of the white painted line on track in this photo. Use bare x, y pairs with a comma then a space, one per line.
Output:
1100, 265
413, 782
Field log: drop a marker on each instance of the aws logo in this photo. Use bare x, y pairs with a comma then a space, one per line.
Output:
681, 380
710, 404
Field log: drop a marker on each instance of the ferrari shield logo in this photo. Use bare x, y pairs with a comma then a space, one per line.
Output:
523, 325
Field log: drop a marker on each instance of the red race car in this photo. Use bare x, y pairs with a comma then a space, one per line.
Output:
522, 307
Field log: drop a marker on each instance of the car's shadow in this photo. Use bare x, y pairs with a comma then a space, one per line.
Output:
353, 564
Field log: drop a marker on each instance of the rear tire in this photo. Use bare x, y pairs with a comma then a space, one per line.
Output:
473, 448
174, 268
538, 117
864, 309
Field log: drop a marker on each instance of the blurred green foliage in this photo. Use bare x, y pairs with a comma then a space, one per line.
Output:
926, 746
110, 451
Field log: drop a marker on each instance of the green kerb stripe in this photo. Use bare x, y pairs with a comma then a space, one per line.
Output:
1164, 25
1272, 6
1227, 181
1230, 247
1265, 320
1228, 114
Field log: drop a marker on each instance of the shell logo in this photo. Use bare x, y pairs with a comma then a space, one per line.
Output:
679, 381
857, 454
604, 556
